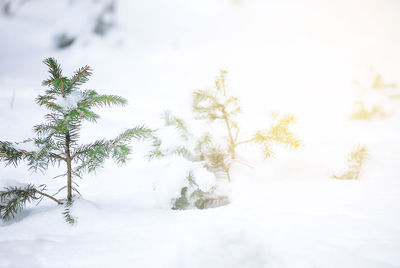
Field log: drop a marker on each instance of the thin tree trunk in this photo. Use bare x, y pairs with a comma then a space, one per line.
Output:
69, 166
228, 175
245, 141
228, 127
231, 141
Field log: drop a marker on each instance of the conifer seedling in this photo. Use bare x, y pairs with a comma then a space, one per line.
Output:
216, 106
57, 140
355, 161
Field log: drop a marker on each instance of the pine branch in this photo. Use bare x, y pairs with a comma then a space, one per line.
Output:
156, 151
250, 140
217, 159
87, 114
81, 76
355, 161
205, 97
43, 130
54, 70
93, 99
67, 213
37, 160
11, 155
138, 133
120, 149
49, 196
14, 199
204, 140
220, 80
84, 149
280, 132
48, 102
120, 153
192, 196
91, 156
182, 151
178, 123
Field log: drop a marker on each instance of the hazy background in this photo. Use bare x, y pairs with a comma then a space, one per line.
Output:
300, 57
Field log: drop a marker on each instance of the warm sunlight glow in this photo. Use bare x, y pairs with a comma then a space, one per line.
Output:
201, 133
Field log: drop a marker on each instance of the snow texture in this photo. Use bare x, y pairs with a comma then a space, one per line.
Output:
70, 101
287, 56
28, 145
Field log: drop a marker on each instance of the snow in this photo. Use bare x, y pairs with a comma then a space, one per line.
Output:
70, 101
288, 56
172, 139
28, 145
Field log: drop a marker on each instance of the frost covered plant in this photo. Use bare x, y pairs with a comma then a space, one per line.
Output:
56, 141
355, 161
218, 154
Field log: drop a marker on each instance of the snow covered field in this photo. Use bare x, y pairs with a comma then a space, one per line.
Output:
296, 57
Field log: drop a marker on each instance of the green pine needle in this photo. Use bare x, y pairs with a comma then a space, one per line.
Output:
14, 199
57, 139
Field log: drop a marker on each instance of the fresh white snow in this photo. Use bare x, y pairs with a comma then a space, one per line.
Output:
288, 56
28, 145
70, 101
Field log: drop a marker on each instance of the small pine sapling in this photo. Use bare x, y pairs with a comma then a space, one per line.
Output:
191, 194
215, 105
355, 161
56, 140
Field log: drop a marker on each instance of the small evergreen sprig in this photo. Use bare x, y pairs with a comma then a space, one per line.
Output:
355, 161
57, 139
193, 196
365, 109
67, 213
